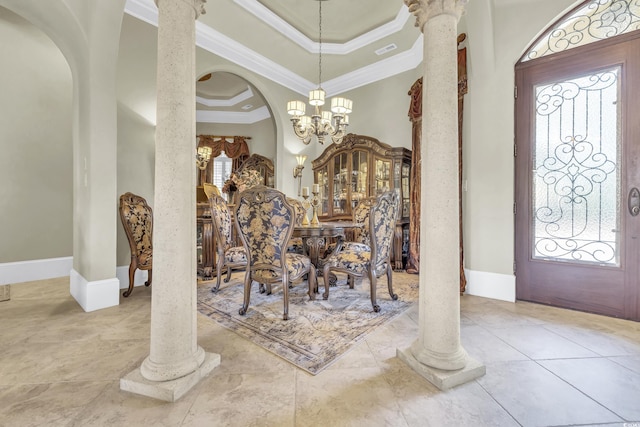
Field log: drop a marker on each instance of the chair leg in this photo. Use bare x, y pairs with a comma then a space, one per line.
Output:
351, 280
285, 292
325, 276
390, 282
374, 284
132, 272
218, 274
148, 282
247, 293
312, 279
229, 270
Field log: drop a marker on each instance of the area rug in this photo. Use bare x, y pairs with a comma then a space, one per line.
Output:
317, 332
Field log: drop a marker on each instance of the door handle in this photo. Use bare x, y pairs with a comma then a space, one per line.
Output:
634, 201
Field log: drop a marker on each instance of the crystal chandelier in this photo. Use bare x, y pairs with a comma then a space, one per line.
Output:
321, 123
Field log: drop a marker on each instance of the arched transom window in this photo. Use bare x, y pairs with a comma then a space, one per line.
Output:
592, 21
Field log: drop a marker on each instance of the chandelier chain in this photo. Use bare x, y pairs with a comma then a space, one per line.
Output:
320, 44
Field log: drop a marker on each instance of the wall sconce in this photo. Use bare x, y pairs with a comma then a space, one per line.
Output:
297, 171
203, 156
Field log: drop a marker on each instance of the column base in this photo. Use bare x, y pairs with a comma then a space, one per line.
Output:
442, 379
169, 391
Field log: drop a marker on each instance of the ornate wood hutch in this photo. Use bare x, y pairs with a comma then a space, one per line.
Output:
360, 167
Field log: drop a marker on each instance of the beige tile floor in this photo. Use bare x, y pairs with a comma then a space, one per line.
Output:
60, 366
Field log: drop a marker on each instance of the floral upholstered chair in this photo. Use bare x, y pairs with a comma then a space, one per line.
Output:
265, 220
295, 244
357, 261
137, 220
360, 237
229, 255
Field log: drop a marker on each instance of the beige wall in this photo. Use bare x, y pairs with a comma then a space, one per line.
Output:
496, 39
36, 206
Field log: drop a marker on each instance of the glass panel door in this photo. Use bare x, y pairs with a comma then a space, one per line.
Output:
576, 191
577, 176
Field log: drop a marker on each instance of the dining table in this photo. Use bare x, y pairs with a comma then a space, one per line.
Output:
315, 239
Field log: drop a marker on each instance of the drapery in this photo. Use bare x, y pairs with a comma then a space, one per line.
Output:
234, 147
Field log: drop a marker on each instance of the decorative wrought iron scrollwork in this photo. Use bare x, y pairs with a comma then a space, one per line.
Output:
573, 181
597, 20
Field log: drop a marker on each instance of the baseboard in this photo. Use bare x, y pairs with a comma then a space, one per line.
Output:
39, 269
491, 285
43, 269
139, 278
94, 295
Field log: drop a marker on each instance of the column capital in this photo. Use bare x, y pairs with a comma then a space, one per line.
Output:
427, 9
197, 5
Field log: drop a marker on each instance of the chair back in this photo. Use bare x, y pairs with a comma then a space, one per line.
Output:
221, 218
137, 219
299, 209
361, 216
382, 222
210, 189
264, 220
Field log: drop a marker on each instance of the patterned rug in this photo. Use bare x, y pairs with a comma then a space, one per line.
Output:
317, 332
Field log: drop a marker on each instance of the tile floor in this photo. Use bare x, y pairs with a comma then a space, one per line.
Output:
60, 366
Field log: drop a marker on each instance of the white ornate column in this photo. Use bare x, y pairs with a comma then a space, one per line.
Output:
437, 354
175, 362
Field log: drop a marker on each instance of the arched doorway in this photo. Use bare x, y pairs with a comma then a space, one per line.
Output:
577, 157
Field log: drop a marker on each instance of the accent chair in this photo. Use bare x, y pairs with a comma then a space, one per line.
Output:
137, 220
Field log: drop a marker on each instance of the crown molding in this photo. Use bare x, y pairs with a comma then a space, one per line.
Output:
229, 49
241, 97
388, 67
208, 116
283, 27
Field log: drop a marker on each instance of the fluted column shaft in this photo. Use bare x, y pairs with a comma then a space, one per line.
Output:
438, 344
174, 351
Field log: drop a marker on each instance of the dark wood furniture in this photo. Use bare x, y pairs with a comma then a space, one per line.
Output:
315, 238
207, 257
137, 220
263, 165
361, 167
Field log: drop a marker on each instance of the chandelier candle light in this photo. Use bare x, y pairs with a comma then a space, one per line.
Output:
321, 123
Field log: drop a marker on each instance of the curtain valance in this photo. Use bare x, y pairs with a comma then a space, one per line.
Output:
233, 149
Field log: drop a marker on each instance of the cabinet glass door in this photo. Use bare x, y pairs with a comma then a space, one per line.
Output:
322, 178
340, 183
358, 177
383, 176
405, 190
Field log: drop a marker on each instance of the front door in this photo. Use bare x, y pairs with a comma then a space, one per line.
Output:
578, 178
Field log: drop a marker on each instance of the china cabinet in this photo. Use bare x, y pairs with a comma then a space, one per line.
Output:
361, 167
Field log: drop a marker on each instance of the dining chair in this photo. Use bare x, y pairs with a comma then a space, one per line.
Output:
137, 220
296, 244
265, 221
230, 256
356, 261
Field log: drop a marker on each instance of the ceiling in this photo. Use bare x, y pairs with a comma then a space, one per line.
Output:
362, 41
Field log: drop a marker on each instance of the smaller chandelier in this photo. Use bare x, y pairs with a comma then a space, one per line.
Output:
321, 123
